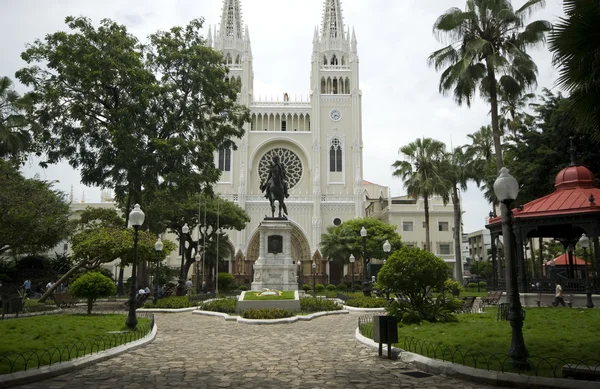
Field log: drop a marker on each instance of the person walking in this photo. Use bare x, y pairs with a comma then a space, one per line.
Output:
558, 297
27, 287
188, 286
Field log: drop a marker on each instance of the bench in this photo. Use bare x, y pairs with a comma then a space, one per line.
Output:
467, 306
581, 372
492, 298
63, 300
548, 300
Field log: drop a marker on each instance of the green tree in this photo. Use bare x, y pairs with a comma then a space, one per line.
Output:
458, 169
33, 217
482, 150
420, 172
482, 268
92, 286
14, 136
575, 43
488, 50
131, 115
337, 243
414, 273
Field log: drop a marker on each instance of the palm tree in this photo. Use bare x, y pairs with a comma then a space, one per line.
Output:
487, 51
458, 169
421, 173
575, 43
511, 109
337, 243
481, 150
14, 138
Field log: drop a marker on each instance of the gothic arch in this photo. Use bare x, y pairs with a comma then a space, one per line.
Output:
300, 245
279, 141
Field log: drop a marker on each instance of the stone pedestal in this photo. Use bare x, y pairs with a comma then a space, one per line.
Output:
274, 268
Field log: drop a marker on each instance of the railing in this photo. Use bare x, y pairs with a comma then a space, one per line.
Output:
539, 366
548, 285
13, 362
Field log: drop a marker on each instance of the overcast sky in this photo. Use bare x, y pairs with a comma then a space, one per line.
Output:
400, 92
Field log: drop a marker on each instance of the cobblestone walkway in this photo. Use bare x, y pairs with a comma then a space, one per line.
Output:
194, 351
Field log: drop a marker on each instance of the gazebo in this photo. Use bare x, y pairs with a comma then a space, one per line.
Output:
563, 215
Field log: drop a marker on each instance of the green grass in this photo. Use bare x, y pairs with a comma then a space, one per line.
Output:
550, 333
285, 295
61, 335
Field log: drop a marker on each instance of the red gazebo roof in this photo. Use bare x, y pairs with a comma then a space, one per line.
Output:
574, 193
563, 260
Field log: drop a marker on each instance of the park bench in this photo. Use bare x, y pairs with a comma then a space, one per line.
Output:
548, 300
467, 306
139, 301
492, 298
63, 300
581, 372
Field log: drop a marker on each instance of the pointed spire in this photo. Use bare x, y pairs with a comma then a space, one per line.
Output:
353, 41
247, 34
231, 19
209, 41
333, 24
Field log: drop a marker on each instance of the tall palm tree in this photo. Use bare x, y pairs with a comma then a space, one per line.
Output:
481, 150
575, 43
458, 170
14, 137
487, 51
420, 172
337, 243
512, 112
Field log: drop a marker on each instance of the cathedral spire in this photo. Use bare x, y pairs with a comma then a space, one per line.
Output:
333, 24
231, 19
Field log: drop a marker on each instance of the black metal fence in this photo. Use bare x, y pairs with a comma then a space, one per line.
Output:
13, 362
547, 285
539, 366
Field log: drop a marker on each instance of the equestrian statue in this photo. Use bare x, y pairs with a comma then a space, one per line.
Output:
276, 187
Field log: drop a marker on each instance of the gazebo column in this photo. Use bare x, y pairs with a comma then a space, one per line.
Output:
522, 265
494, 275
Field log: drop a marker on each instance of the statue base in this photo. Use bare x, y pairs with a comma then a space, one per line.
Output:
275, 268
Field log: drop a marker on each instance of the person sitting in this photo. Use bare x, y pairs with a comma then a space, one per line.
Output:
147, 290
141, 292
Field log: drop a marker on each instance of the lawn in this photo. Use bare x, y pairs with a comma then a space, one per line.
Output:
285, 295
50, 339
553, 337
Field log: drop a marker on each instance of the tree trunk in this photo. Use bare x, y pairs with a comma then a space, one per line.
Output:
495, 125
90, 304
457, 236
426, 205
62, 279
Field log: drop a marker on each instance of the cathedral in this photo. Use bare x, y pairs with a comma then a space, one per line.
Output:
319, 141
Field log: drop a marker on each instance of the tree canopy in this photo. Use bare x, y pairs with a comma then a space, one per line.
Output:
33, 217
14, 135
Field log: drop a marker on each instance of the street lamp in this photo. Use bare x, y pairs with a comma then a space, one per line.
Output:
198, 257
552, 270
386, 249
158, 246
352, 259
506, 189
314, 274
136, 218
300, 284
181, 287
584, 242
366, 281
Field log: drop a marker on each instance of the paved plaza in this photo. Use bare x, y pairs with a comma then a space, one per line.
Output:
195, 351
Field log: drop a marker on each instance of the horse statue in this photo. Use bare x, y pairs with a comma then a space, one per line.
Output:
276, 187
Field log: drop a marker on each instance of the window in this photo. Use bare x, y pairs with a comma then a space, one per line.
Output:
225, 160
443, 226
407, 226
337, 221
444, 249
335, 156
424, 225
283, 125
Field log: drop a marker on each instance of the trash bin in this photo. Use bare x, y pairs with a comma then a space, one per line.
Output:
385, 330
502, 311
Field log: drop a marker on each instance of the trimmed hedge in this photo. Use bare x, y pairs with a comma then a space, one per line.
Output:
367, 302
274, 313
173, 302
311, 304
221, 305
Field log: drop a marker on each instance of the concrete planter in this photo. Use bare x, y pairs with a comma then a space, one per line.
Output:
292, 305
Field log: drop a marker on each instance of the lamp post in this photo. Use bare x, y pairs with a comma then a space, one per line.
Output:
352, 259
181, 287
500, 258
584, 242
366, 281
300, 284
387, 247
197, 258
506, 189
552, 271
314, 274
136, 218
158, 246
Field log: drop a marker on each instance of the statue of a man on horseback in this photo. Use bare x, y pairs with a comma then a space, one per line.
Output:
276, 186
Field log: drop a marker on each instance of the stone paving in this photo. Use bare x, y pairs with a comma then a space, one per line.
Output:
195, 351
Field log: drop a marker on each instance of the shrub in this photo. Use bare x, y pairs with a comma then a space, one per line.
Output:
356, 287
306, 287
432, 312
454, 287
243, 288
274, 313
221, 305
330, 287
311, 304
482, 284
226, 281
320, 288
367, 302
173, 302
471, 285
92, 286
342, 287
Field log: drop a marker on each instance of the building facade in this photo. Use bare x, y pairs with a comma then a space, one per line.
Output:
319, 140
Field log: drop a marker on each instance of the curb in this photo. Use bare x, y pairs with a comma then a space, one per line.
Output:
165, 310
286, 320
355, 309
44, 372
497, 378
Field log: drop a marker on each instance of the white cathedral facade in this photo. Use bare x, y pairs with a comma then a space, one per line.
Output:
319, 141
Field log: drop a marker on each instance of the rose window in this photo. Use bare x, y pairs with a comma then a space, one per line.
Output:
291, 161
